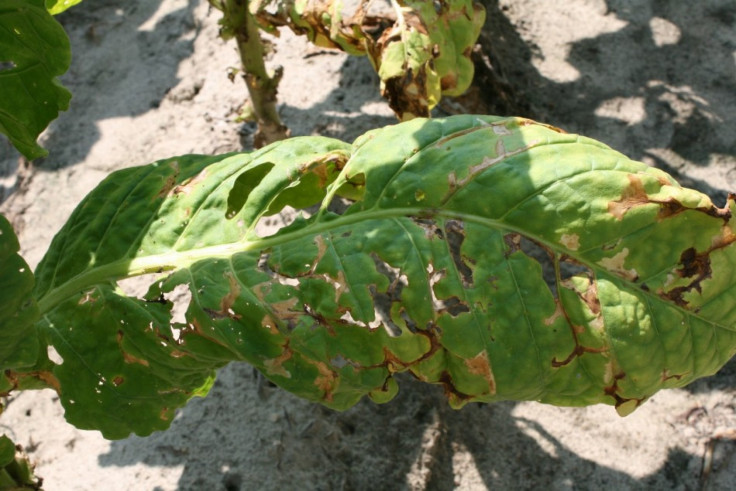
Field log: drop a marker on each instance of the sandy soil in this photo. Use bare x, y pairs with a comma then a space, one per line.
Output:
656, 80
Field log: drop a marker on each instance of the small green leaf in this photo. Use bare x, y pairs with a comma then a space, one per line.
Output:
34, 50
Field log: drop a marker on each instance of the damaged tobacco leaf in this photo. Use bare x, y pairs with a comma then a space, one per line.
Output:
499, 258
421, 50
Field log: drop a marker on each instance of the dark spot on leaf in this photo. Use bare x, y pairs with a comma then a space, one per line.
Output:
451, 391
407, 94
455, 237
623, 405
666, 375
454, 306
544, 256
693, 265
513, 244
632, 196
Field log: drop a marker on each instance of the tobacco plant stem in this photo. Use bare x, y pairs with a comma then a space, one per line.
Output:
261, 86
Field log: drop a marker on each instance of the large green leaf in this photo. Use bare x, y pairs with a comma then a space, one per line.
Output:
34, 50
19, 344
500, 258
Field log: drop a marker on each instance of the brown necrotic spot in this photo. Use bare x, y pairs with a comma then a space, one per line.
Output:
513, 243
571, 241
127, 356
632, 196
692, 265
624, 406
481, 365
456, 397
170, 181
188, 185
635, 195
275, 366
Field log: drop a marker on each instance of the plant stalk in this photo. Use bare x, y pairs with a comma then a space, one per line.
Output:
262, 87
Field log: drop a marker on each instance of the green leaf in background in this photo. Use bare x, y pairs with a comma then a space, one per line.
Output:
58, 6
16, 472
7, 451
421, 50
499, 258
427, 54
19, 343
34, 50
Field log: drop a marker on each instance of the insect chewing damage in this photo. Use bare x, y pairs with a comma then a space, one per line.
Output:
568, 268
299, 196
384, 299
453, 234
558, 270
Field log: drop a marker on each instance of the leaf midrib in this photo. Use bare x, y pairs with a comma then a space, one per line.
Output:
159, 263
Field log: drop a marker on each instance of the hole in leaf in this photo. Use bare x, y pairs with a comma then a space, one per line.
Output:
455, 235
383, 301
302, 194
180, 297
569, 267
454, 306
54, 355
6, 65
269, 225
138, 286
435, 276
382, 306
348, 318
264, 266
245, 183
544, 257
431, 230
339, 205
